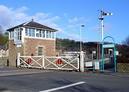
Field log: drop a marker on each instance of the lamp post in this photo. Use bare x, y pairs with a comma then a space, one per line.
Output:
81, 52
81, 36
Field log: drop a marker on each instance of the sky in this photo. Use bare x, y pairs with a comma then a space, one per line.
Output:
67, 16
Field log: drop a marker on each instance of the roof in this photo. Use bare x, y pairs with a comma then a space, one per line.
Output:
33, 25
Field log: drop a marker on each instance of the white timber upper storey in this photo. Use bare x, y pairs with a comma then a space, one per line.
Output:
31, 30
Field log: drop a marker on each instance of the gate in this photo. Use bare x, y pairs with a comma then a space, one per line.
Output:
30, 61
49, 62
61, 63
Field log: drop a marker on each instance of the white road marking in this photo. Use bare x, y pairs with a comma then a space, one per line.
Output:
63, 87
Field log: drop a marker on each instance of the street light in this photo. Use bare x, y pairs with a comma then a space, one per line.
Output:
81, 52
81, 36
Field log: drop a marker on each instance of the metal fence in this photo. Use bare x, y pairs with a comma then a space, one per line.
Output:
123, 67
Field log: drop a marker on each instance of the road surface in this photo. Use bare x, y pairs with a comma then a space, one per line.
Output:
61, 81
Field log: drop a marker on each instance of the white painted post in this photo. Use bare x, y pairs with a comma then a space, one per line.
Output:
81, 61
18, 59
78, 64
23, 34
45, 33
43, 62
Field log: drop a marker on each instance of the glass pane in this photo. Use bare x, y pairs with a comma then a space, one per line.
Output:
29, 32
20, 34
47, 34
40, 33
12, 34
33, 32
43, 33
37, 33
52, 34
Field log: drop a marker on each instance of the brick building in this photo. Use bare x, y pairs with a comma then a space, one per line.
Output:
31, 38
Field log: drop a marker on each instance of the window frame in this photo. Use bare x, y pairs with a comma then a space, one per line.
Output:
39, 33
40, 51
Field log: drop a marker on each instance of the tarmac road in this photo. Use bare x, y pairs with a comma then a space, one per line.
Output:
62, 81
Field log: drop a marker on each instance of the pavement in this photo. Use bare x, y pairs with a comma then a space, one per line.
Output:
36, 80
7, 71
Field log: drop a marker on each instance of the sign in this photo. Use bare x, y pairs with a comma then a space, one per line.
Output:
94, 52
108, 46
88, 64
96, 65
59, 61
19, 45
117, 53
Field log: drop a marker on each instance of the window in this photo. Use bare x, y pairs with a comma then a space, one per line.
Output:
47, 33
27, 32
33, 32
19, 34
43, 33
12, 35
52, 34
30, 32
40, 33
40, 51
37, 33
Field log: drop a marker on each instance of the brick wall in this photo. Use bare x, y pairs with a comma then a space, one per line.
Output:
13, 50
31, 46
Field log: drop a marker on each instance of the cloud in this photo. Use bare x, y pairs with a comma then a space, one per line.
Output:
68, 27
5, 16
72, 28
77, 22
11, 17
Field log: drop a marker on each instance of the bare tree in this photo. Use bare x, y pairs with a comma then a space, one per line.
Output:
1, 30
124, 49
3, 38
126, 42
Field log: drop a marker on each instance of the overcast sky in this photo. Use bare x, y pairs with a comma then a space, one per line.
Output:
68, 15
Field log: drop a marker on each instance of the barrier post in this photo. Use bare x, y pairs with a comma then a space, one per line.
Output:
18, 59
81, 61
43, 62
78, 63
